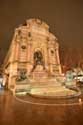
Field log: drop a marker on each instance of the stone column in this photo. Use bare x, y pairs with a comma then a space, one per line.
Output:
11, 72
4, 79
16, 56
58, 59
12, 52
29, 52
45, 56
57, 56
49, 59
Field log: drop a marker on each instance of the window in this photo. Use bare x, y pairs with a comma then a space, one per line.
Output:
52, 52
29, 34
23, 47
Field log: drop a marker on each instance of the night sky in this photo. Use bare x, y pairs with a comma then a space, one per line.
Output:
65, 18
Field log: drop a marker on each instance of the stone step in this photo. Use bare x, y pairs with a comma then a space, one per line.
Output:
46, 83
52, 91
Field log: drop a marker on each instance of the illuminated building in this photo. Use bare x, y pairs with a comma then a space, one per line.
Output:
33, 55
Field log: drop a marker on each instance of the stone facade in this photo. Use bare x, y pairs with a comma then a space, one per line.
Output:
33, 54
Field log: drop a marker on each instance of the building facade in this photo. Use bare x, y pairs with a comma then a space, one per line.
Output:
33, 54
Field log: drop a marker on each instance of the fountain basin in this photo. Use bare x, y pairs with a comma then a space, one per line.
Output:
54, 92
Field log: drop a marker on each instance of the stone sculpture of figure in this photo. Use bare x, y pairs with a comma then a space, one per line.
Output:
21, 76
70, 82
38, 60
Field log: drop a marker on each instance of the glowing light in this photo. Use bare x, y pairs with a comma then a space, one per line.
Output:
80, 101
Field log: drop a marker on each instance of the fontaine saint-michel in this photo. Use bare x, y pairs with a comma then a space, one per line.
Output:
32, 62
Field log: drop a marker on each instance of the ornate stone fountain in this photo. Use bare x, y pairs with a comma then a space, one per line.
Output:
33, 62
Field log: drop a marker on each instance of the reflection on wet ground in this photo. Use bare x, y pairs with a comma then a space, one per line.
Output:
15, 112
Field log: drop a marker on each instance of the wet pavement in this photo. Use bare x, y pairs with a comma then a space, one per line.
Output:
18, 110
